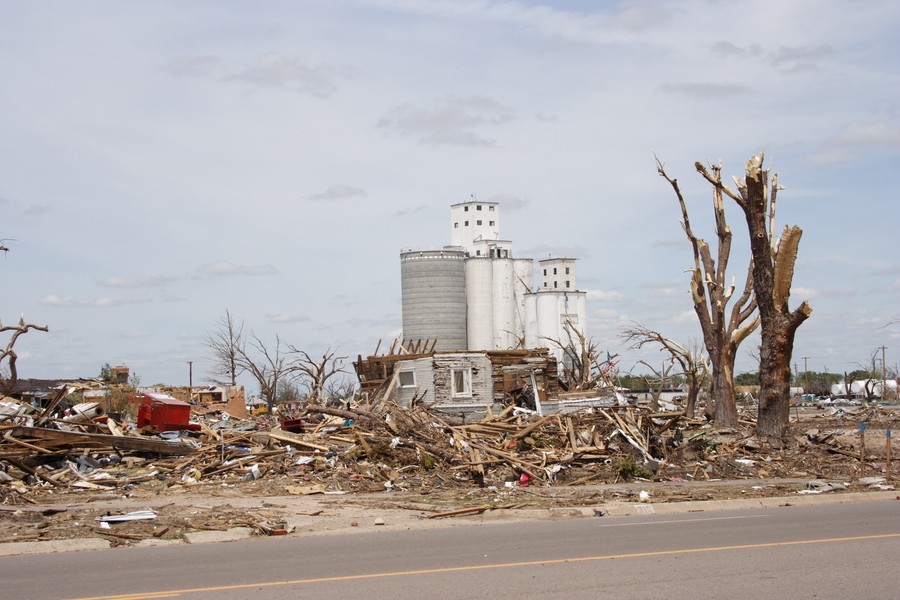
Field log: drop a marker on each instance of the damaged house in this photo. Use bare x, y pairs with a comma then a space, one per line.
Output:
464, 383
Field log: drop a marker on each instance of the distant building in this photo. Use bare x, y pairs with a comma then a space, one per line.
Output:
475, 295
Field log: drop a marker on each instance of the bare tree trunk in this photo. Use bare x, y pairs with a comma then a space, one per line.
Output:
775, 381
724, 409
773, 273
690, 404
723, 331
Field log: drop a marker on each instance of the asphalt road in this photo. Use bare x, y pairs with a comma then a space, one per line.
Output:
830, 551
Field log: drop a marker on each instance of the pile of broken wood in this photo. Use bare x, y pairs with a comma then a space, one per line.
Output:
382, 447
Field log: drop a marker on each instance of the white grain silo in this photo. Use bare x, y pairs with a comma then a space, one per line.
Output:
433, 286
480, 305
474, 295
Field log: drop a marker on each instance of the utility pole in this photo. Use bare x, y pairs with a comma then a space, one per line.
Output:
883, 375
190, 379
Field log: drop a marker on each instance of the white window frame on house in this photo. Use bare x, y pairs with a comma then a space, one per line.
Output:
407, 383
461, 382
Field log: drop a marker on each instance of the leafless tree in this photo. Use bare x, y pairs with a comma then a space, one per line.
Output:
694, 364
8, 354
268, 366
659, 381
317, 371
723, 332
226, 342
773, 274
581, 368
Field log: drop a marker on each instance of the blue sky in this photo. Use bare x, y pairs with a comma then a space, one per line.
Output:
161, 162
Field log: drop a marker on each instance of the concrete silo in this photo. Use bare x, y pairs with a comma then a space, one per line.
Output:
433, 284
480, 302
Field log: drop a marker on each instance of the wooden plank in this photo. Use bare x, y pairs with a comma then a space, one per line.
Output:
78, 439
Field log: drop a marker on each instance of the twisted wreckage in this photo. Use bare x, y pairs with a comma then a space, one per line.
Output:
427, 424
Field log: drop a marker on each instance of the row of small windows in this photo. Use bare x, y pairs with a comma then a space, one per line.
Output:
460, 381
556, 284
554, 271
496, 253
478, 207
478, 222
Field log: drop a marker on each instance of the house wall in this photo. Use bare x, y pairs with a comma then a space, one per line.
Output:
434, 384
424, 387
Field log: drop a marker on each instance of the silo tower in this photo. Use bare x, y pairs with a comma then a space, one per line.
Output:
433, 287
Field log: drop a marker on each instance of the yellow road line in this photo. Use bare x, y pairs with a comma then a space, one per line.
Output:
531, 563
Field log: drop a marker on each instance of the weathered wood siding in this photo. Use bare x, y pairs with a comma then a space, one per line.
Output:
482, 385
424, 389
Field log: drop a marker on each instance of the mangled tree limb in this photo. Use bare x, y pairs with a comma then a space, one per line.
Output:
9, 355
694, 365
662, 375
773, 273
267, 365
723, 331
317, 371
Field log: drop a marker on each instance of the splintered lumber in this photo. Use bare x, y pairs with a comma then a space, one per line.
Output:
571, 430
472, 510
524, 432
10, 438
289, 438
357, 415
524, 466
66, 440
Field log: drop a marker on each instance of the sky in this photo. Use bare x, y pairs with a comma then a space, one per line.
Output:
162, 162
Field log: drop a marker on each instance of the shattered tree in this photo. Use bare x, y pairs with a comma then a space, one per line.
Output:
694, 365
9, 355
773, 274
722, 334
580, 368
318, 372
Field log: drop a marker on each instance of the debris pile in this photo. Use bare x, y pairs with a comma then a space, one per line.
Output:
387, 448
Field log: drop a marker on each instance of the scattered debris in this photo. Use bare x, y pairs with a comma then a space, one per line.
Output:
510, 459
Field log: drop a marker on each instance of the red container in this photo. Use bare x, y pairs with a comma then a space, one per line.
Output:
164, 413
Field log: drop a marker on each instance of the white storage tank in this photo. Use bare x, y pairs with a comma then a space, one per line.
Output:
504, 301
531, 322
548, 319
433, 287
480, 313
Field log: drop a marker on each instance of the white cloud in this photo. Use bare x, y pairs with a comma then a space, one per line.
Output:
707, 90
284, 318
225, 268
105, 302
338, 191
804, 293
136, 282
866, 134
605, 296
453, 121
193, 66
37, 209
283, 72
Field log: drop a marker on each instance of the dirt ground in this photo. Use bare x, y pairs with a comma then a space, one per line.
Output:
820, 456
